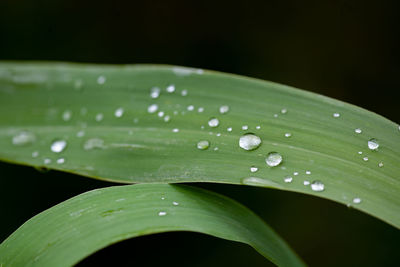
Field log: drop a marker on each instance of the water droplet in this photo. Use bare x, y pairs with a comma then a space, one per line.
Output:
275, 115
81, 133
258, 127
365, 158
213, 122
336, 115
308, 172
93, 143
99, 117
175, 203
162, 198
101, 79
78, 84
223, 109
203, 145
60, 160
155, 92
229, 129
58, 146
184, 92
296, 173
152, 108
162, 213
190, 108
135, 120
373, 144
160, 114
171, 88
66, 116
380, 164
35, 154
216, 148
23, 138
273, 159
249, 141
167, 118
306, 182
175, 130
218, 134
288, 179
200, 109
253, 169
47, 161
288, 134
317, 186
284, 111
119, 112
356, 200
245, 127
359, 152
358, 130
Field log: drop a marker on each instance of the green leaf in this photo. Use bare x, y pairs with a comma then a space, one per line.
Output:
61, 102
66, 233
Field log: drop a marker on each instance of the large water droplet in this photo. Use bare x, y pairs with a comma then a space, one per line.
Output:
203, 145
155, 92
373, 144
66, 116
93, 143
23, 138
58, 146
213, 122
273, 159
223, 109
152, 108
317, 186
249, 141
119, 112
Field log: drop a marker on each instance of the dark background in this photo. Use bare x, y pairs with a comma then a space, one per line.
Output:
348, 50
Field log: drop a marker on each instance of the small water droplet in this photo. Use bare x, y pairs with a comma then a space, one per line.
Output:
81, 133
213, 122
356, 200
218, 134
23, 138
162, 198
373, 144
152, 108
380, 164
99, 117
155, 92
47, 161
258, 127
284, 111
119, 112
160, 114
249, 141
175, 130
162, 213
93, 143
216, 148
336, 115
245, 127
296, 173
78, 84
288, 134
229, 129
171, 88
135, 120
306, 182
358, 130
359, 152
35, 154
317, 186
167, 118
66, 116
275, 115
101, 79
253, 169
175, 203
60, 161
190, 108
273, 159
184, 92
288, 179
308, 172
223, 109
365, 159
200, 109
58, 146
203, 145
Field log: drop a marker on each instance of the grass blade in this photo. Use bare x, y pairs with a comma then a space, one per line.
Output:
102, 114
66, 233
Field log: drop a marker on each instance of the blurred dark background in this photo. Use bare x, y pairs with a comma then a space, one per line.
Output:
348, 50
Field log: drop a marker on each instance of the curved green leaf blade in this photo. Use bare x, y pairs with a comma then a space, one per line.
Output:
66, 233
80, 104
